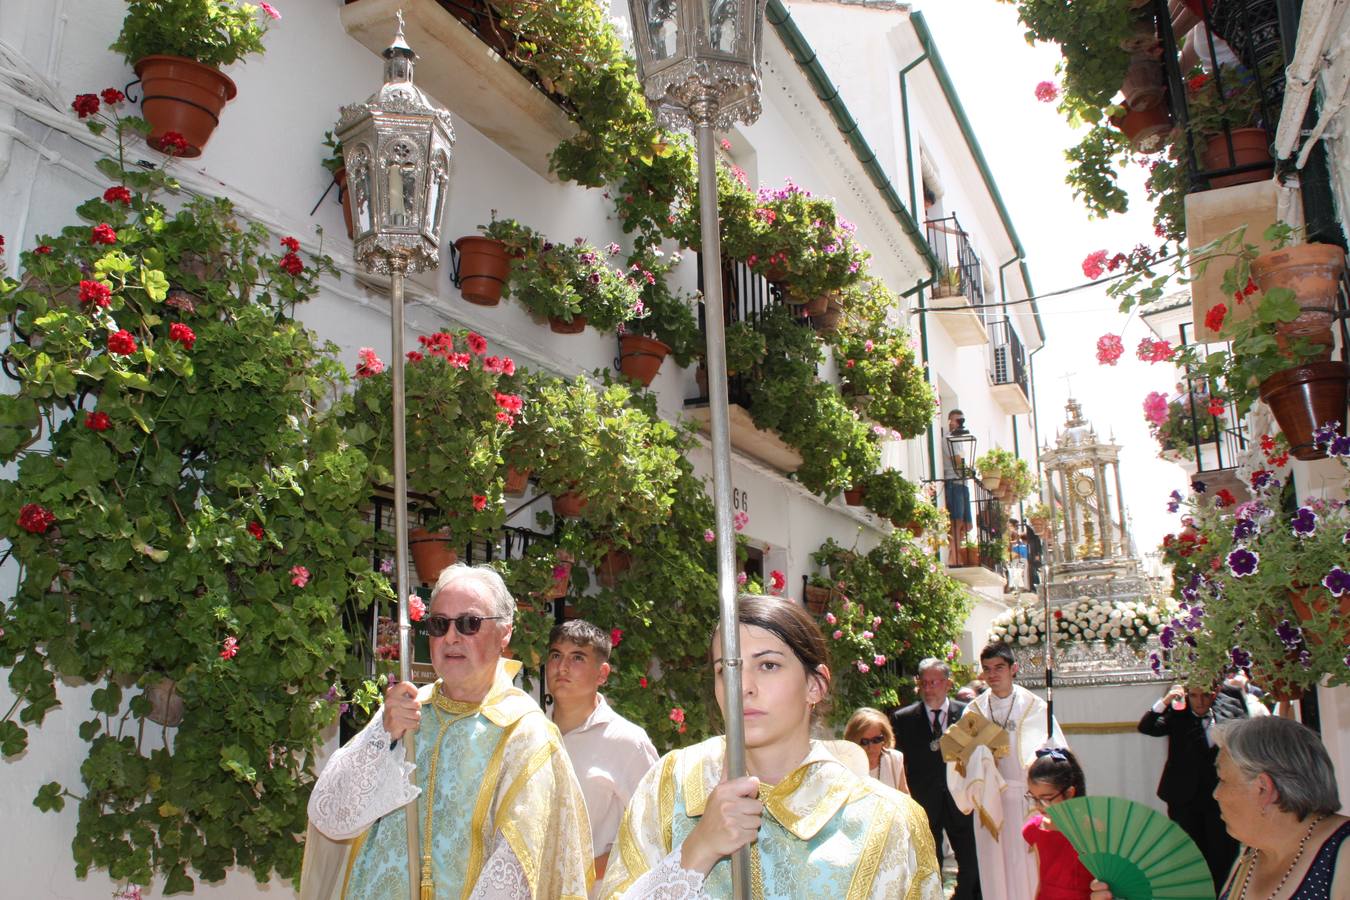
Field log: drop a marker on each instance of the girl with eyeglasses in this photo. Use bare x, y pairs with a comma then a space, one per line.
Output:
1054, 777
813, 828
869, 729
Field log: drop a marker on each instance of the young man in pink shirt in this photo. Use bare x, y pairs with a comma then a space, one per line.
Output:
609, 753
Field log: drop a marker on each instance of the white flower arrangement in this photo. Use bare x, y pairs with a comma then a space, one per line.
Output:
1085, 619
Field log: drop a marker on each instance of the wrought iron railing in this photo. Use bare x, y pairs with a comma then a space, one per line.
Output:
1245, 38
1007, 356
960, 274
746, 297
1229, 433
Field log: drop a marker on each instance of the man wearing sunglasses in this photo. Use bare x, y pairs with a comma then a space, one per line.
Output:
506, 818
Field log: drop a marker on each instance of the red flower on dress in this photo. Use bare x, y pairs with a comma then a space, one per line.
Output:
95, 292
112, 96
117, 194
479, 502
122, 343
291, 244
173, 143
1214, 318
229, 647
256, 529
477, 343
102, 234
97, 421
182, 334
85, 105
35, 518
615, 637
291, 264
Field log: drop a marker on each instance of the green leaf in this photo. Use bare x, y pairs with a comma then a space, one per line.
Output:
156, 285
49, 797
13, 739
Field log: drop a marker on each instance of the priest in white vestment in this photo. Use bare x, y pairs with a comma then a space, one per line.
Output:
995, 789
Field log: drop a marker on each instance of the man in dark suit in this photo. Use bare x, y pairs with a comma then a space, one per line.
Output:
917, 728
1190, 774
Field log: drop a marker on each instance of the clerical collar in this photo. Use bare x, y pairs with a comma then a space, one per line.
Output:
454, 707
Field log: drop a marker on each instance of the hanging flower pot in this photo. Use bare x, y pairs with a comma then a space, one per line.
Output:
1305, 398
166, 704
340, 176
183, 96
1309, 602
431, 553
827, 322
483, 269
562, 576
1145, 128
854, 496
1250, 145
569, 505
640, 357
613, 564
991, 481
817, 599
1313, 272
817, 305
558, 326
516, 481
1143, 87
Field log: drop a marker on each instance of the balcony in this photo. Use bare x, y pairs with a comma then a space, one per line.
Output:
746, 296
461, 65
959, 292
985, 565
1008, 368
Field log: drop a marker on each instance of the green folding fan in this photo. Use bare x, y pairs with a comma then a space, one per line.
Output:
1137, 851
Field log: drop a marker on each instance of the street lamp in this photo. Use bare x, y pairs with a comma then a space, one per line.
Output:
396, 147
698, 61
961, 447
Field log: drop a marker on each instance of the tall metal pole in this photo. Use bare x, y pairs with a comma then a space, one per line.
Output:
397, 266
1049, 660
715, 329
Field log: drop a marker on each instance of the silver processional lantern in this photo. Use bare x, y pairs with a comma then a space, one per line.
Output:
699, 65
396, 147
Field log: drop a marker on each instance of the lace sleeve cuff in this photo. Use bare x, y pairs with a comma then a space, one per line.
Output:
364, 780
667, 881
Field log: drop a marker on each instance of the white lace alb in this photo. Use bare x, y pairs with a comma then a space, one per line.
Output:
366, 778
667, 881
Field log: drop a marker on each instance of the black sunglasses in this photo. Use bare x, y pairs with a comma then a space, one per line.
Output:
867, 742
467, 625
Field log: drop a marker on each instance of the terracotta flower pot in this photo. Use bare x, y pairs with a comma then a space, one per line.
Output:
562, 577
1145, 128
431, 552
854, 496
1308, 602
817, 305
340, 176
1250, 145
640, 357
1305, 398
516, 481
558, 326
569, 505
166, 704
483, 269
182, 95
914, 528
1313, 272
992, 481
611, 566
1143, 87
817, 599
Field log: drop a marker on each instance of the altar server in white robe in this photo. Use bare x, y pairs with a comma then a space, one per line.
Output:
995, 790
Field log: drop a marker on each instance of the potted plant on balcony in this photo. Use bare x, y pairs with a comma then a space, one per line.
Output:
891, 496
1222, 107
665, 324
1187, 425
485, 259
177, 50
881, 376
462, 405
571, 285
948, 283
992, 465
801, 242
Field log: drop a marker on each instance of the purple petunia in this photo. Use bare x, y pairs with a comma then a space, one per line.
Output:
1245, 529
1337, 581
1305, 659
1174, 504
1243, 562
1260, 479
1167, 637
1240, 658
1289, 634
1340, 446
1326, 434
1304, 522
1198, 486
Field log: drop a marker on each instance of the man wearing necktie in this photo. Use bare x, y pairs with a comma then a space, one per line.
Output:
917, 729
1186, 717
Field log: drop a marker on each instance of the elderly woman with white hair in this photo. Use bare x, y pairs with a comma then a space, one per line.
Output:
1277, 793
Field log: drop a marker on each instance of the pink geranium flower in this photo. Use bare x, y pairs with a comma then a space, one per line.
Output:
299, 576
1155, 408
1094, 264
1047, 92
1109, 349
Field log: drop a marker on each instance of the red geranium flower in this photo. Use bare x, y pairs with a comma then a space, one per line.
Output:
479, 502
414, 356
291, 264
615, 637
291, 244
35, 518
1047, 92
85, 105
182, 334
122, 343
95, 292
118, 194
256, 529
1094, 264
642, 682
1224, 498
229, 647
1215, 406
102, 234
173, 143
42, 249
1214, 318
112, 96
97, 421
477, 343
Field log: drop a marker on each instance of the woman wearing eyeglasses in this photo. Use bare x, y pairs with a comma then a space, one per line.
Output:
814, 829
869, 729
